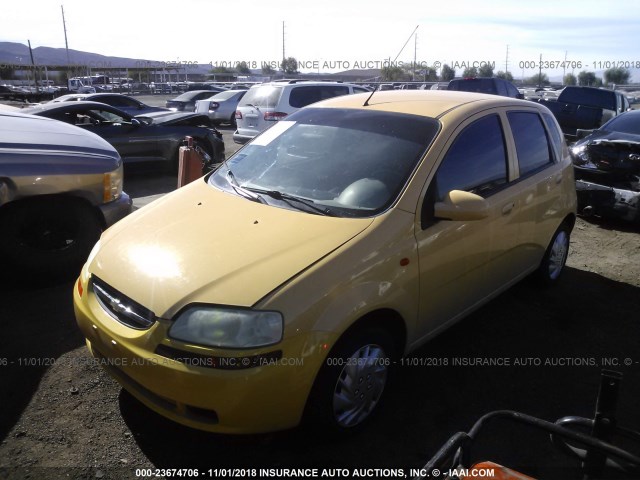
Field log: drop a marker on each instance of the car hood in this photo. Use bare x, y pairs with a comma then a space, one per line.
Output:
176, 118
200, 244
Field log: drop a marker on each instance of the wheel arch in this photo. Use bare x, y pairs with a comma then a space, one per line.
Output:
385, 318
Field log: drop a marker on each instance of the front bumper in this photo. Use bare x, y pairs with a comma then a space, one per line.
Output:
603, 200
259, 399
116, 210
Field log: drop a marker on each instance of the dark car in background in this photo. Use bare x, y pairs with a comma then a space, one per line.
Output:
60, 186
607, 168
187, 101
125, 103
585, 108
155, 137
490, 85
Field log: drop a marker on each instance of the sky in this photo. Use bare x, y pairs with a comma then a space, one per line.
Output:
335, 35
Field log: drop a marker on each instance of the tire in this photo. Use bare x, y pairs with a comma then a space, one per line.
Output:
232, 120
48, 237
349, 387
555, 258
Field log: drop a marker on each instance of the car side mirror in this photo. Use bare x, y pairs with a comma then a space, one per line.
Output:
135, 122
520, 96
461, 206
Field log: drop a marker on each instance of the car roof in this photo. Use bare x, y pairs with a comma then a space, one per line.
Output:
428, 103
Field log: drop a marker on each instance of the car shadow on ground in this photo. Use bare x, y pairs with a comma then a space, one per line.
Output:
32, 340
537, 351
613, 224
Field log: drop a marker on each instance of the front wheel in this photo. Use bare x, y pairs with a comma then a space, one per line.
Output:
350, 385
51, 236
555, 258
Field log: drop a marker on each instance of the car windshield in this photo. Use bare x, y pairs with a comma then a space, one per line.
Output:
341, 162
627, 123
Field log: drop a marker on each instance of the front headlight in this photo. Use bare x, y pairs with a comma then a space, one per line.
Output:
227, 327
580, 154
112, 185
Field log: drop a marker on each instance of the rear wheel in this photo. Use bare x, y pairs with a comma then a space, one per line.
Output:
48, 236
350, 385
555, 258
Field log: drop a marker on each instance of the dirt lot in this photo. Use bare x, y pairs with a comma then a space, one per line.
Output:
61, 416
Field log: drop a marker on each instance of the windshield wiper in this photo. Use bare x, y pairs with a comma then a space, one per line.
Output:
243, 192
289, 198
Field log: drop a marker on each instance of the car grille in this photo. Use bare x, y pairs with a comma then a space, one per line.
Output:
122, 308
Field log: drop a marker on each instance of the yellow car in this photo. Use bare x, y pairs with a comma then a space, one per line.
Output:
287, 283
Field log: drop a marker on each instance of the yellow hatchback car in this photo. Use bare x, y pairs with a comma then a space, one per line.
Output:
285, 284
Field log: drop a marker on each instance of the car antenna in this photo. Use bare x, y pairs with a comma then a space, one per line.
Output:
366, 102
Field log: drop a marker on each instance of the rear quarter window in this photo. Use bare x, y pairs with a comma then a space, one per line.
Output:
532, 144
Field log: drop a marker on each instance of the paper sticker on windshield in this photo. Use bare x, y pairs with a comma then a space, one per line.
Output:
272, 133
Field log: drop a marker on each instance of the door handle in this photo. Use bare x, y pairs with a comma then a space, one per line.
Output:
558, 178
507, 208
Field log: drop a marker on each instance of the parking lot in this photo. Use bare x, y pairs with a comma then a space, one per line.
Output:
532, 350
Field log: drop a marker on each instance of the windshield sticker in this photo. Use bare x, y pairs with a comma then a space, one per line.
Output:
272, 133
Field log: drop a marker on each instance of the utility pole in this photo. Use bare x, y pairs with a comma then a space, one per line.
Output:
415, 52
564, 67
506, 62
540, 73
66, 43
283, 56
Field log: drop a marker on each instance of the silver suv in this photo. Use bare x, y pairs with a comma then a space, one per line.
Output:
269, 102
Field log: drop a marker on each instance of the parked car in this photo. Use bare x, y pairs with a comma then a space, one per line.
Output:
490, 85
607, 168
154, 137
186, 102
438, 86
340, 239
221, 108
269, 102
60, 186
585, 108
127, 104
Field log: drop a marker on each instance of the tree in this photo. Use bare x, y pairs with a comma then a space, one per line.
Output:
447, 73
220, 70
470, 72
243, 68
392, 73
617, 75
586, 79
505, 75
569, 79
267, 70
289, 65
430, 74
539, 79
485, 70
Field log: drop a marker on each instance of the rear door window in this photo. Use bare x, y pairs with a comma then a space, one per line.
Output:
532, 144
